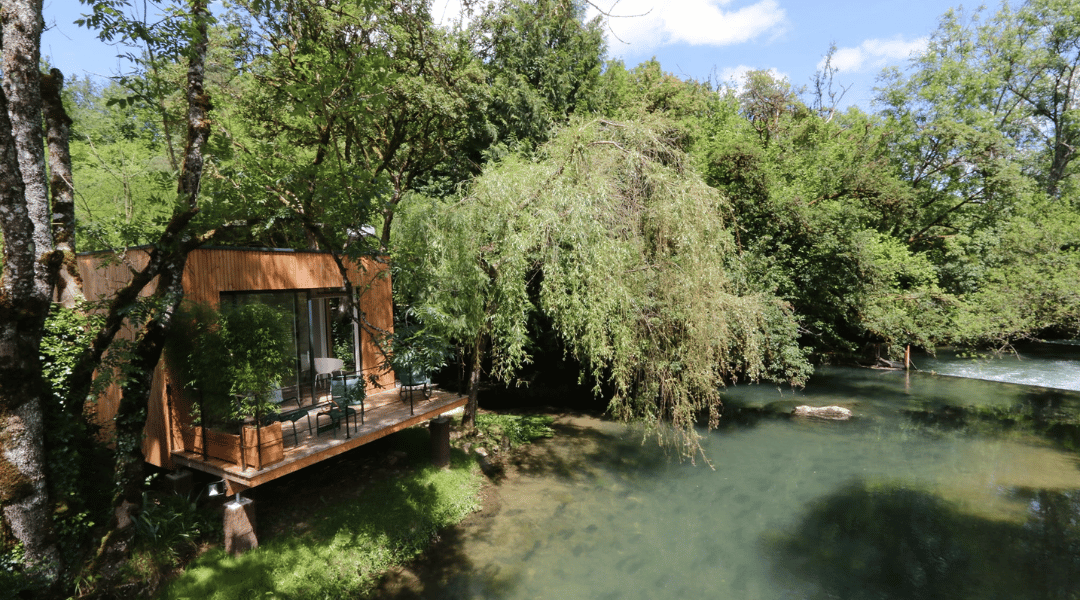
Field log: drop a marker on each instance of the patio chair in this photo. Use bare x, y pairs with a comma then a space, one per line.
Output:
281, 397
347, 390
286, 395
411, 380
292, 416
326, 367
338, 410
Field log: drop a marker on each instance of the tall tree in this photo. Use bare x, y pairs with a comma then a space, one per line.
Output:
370, 97
34, 250
982, 92
614, 238
543, 62
823, 212
30, 265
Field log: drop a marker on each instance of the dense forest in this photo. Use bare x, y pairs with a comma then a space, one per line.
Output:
665, 236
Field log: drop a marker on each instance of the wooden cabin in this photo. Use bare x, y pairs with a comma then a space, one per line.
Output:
306, 284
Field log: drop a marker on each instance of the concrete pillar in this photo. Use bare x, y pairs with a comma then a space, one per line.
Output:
240, 526
181, 481
440, 442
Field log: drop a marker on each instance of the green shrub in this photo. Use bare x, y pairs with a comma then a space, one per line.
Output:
171, 525
519, 429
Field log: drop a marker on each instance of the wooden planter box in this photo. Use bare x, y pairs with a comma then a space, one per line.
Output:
226, 446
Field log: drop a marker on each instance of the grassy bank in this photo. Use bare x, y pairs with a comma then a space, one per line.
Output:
349, 545
351, 542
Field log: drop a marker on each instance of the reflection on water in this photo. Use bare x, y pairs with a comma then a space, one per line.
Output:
891, 541
941, 488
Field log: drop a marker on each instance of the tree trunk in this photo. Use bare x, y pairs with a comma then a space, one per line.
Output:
29, 267
468, 419
135, 391
57, 133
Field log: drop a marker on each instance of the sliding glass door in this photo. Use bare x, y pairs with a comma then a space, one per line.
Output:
321, 328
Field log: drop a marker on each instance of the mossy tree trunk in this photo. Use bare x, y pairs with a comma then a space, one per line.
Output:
29, 269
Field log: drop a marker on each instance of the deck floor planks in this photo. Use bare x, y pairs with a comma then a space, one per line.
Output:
385, 413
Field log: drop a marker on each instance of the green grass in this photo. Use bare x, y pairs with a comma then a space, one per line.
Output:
350, 545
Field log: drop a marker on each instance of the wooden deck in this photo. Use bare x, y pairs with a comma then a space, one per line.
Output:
385, 413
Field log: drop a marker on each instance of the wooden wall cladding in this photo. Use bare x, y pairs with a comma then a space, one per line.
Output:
211, 271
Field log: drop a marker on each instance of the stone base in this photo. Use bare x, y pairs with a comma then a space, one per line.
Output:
240, 526
440, 442
181, 481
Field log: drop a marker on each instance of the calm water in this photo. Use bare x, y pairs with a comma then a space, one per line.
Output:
941, 488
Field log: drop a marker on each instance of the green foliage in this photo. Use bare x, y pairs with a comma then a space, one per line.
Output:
350, 546
648, 89
74, 457
337, 120
67, 335
821, 210
414, 349
171, 526
519, 429
13, 579
1018, 278
120, 165
542, 63
258, 338
614, 238
993, 96
234, 357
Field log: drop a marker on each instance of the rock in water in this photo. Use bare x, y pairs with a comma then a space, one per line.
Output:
834, 413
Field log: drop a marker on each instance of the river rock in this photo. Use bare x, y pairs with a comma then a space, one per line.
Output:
833, 413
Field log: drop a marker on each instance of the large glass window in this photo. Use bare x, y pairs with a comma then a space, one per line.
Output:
321, 327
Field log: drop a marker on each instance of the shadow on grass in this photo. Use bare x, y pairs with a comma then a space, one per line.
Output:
445, 572
891, 542
346, 535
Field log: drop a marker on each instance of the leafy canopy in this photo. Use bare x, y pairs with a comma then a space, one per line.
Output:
611, 235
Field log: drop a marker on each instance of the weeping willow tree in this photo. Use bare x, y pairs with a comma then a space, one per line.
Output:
610, 233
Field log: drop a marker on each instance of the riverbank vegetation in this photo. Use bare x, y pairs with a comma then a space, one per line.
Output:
346, 546
663, 237
382, 518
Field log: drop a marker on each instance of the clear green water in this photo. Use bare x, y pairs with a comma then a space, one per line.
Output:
940, 488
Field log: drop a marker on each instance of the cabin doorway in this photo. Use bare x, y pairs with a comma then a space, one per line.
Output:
322, 328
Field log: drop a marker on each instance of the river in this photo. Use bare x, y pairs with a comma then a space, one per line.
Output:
940, 487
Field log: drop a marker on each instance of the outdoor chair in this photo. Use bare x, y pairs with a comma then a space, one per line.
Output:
292, 416
411, 380
339, 408
281, 397
347, 390
326, 367
286, 395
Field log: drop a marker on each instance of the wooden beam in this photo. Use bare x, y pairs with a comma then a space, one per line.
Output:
240, 479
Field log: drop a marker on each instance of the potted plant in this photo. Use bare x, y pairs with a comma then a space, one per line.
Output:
415, 352
232, 360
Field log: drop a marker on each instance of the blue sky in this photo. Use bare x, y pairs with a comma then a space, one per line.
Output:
702, 39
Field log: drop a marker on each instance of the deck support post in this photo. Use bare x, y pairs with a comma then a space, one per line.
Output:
181, 481
240, 526
439, 429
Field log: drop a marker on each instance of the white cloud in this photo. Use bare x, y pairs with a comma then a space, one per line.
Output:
641, 26
875, 54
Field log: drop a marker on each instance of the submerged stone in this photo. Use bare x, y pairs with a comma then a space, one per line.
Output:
834, 413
